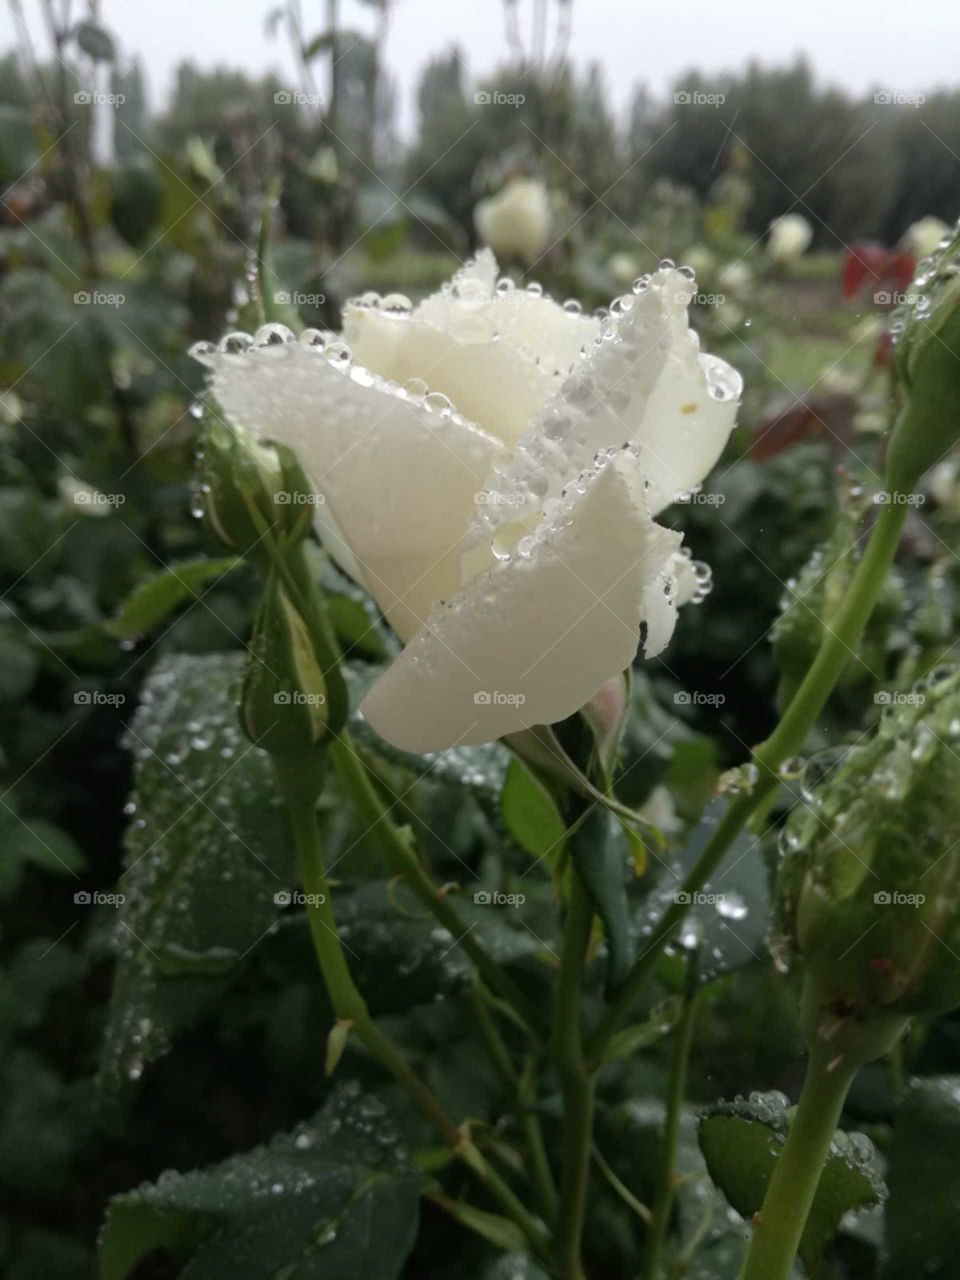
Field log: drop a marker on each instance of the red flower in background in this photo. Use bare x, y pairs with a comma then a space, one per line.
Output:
886, 273
883, 271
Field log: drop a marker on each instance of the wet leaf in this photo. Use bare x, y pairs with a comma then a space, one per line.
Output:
399, 954
335, 1199
158, 596
600, 853
207, 849
728, 920
924, 1204
530, 814
741, 1141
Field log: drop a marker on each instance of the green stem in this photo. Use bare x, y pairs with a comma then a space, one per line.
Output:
796, 1174
401, 858
398, 852
575, 1080
540, 1172
836, 648
299, 789
520, 1091
683, 1038
897, 1074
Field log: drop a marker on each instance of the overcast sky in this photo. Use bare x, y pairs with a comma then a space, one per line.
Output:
906, 47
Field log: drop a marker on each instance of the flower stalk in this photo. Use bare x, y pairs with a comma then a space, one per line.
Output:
796, 1175
401, 858
300, 793
683, 1039
575, 1080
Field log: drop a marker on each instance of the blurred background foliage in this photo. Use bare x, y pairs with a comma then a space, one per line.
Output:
127, 233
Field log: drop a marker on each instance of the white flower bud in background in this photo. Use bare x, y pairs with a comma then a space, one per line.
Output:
922, 237
943, 482
701, 260
623, 268
516, 222
789, 237
735, 277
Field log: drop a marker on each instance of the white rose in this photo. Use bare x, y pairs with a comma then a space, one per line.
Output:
789, 237
511, 541
515, 223
922, 237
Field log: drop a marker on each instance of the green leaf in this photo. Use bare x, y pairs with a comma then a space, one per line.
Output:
400, 957
28, 531
356, 619
95, 41
18, 149
40, 843
530, 813
924, 1204
493, 1227
641, 1035
336, 1199
207, 849
740, 1142
136, 201
29, 979
158, 596
600, 853
19, 664
728, 921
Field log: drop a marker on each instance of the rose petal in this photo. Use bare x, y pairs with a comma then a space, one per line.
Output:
398, 479
643, 380
497, 354
532, 639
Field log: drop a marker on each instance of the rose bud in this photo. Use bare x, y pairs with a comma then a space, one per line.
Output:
868, 892
926, 332
293, 697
